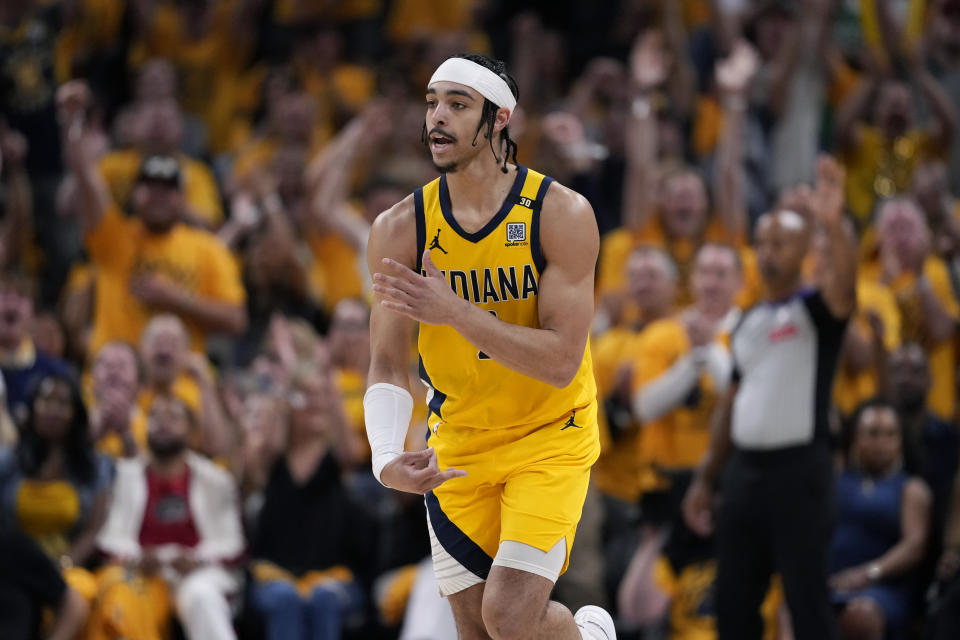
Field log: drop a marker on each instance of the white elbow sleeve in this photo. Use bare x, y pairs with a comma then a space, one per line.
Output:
387, 410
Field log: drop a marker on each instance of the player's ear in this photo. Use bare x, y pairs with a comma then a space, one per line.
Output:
502, 119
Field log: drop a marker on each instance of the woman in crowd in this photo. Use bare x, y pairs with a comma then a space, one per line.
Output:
53, 486
310, 547
883, 520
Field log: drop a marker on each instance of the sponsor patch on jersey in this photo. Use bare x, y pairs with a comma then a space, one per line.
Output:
516, 231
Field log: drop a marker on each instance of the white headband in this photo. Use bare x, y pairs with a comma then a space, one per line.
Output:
477, 77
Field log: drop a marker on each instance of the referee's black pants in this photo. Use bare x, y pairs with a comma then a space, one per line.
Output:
776, 515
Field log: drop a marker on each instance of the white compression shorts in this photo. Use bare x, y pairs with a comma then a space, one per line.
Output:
453, 577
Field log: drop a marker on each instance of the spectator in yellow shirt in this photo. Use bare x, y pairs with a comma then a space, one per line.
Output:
158, 128
671, 208
151, 263
873, 334
651, 278
682, 366
920, 282
880, 157
651, 285
170, 369
117, 424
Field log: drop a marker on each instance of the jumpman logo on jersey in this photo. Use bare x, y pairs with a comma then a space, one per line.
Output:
570, 423
436, 243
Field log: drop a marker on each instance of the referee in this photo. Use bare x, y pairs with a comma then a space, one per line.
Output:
778, 506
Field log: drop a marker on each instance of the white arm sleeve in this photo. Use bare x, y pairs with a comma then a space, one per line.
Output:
387, 410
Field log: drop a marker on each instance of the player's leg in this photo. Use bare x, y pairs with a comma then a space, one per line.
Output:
516, 598
516, 604
541, 505
462, 586
467, 613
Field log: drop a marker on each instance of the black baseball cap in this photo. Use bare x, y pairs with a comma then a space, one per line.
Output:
161, 168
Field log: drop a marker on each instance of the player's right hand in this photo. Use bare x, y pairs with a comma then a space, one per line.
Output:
697, 507
417, 472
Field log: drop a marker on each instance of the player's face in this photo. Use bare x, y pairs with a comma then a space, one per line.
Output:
878, 440
453, 116
715, 278
780, 251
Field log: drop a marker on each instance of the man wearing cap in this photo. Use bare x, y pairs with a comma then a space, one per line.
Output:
496, 262
150, 263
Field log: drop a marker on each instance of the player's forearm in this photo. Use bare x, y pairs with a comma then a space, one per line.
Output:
542, 354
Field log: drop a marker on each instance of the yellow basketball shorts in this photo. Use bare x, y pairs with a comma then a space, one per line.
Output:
523, 484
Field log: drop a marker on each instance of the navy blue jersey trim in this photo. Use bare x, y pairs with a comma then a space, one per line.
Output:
539, 261
455, 542
421, 218
436, 402
447, 207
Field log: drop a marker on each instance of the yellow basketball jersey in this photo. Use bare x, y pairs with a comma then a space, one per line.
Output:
497, 268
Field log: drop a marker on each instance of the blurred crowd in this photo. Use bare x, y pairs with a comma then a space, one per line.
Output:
187, 188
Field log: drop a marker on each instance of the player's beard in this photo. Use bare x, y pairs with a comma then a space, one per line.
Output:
446, 168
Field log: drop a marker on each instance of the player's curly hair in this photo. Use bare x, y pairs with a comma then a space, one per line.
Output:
488, 116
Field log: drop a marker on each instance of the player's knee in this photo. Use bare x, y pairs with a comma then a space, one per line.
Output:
862, 619
509, 618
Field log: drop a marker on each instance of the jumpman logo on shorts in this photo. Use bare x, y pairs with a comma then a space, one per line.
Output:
436, 243
570, 423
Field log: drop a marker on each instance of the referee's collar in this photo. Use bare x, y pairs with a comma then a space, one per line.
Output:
802, 292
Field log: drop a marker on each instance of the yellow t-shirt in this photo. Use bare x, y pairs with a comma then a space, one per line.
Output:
852, 389
121, 249
616, 247
111, 444
335, 272
617, 471
942, 356
120, 168
678, 438
881, 168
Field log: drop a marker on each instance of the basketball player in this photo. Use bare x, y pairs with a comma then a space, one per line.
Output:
503, 293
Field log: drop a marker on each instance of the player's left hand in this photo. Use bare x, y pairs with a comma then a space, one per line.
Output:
426, 299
